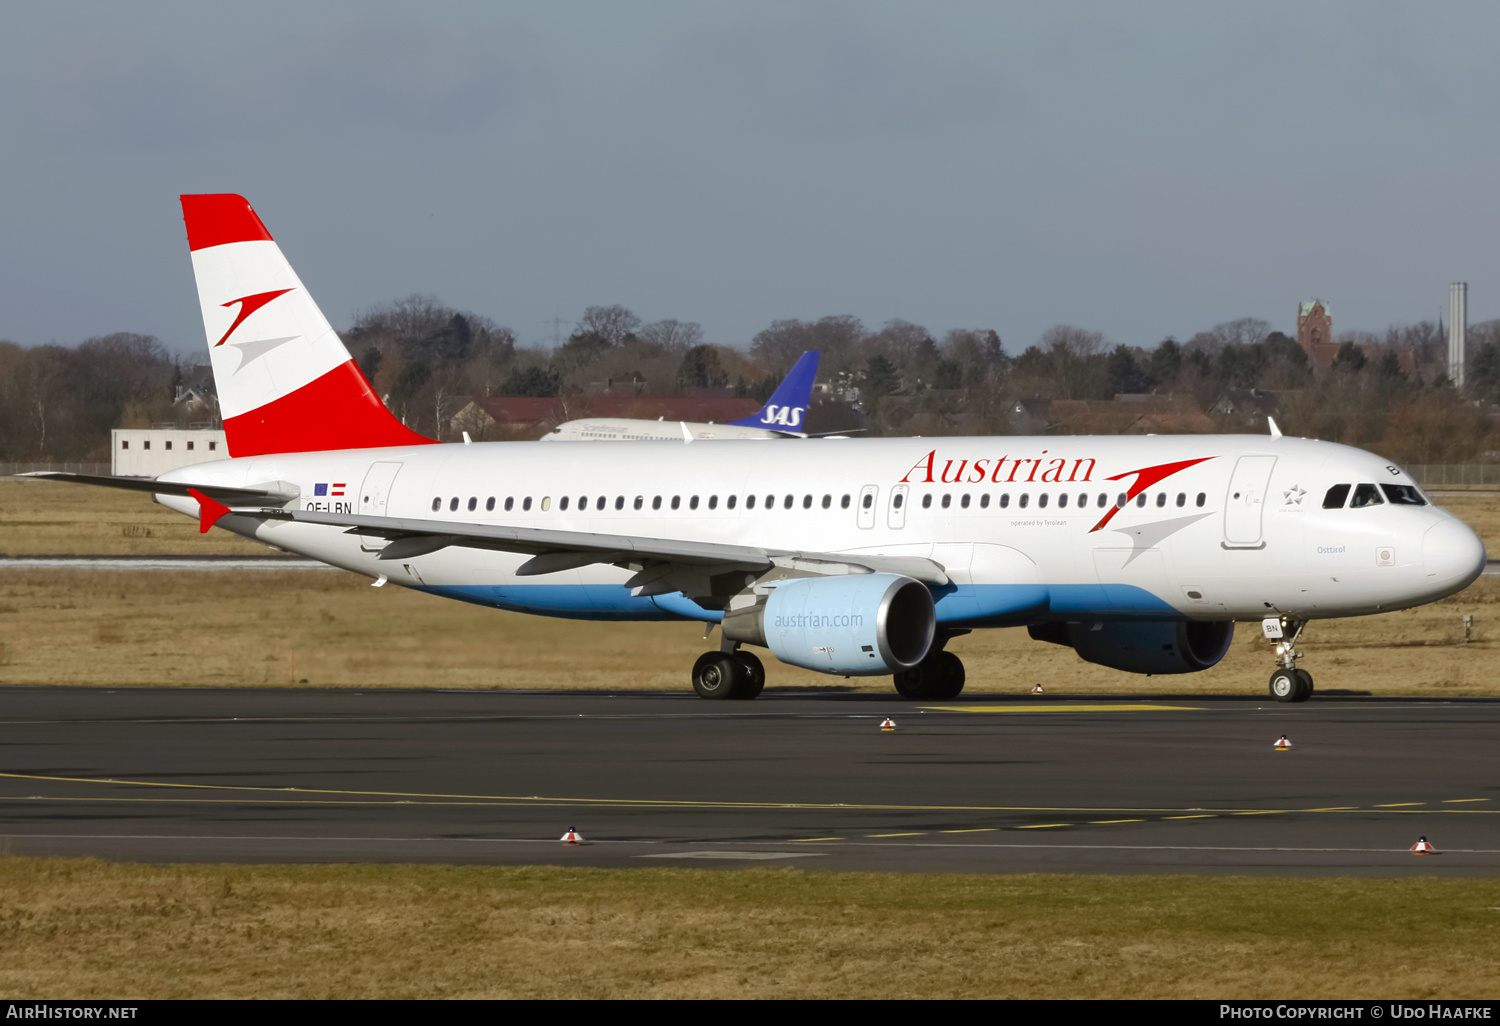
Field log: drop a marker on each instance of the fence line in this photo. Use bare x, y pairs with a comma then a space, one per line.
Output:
67, 468
1456, 475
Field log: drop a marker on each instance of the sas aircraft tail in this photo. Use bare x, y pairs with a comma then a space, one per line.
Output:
286, 383
786, 410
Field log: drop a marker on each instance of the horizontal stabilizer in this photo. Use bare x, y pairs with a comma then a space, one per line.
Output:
274, 493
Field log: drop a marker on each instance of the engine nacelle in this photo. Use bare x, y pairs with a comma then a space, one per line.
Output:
1143, 646
856, 625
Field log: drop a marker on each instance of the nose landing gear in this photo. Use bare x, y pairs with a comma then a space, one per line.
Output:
1288, 683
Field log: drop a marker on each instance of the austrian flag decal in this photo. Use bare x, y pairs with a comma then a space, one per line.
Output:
325, 490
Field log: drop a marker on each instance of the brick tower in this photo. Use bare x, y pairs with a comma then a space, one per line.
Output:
1315, 333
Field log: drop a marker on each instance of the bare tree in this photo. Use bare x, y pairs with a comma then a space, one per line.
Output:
609, 325
673, 336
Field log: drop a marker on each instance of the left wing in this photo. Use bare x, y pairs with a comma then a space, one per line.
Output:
660, 565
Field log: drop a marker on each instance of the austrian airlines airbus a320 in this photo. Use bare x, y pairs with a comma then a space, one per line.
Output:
846, 556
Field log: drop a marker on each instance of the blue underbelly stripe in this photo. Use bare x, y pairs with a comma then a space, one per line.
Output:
977, 605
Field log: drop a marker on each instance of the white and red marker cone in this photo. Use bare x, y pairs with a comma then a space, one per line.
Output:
1422, 847
887, 724
572, 837
1282, 744
1037, 690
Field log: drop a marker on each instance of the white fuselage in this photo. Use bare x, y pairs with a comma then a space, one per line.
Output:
1014, 521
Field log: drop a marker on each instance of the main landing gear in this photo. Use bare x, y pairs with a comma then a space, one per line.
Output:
938, 678
1288, 683
728, 673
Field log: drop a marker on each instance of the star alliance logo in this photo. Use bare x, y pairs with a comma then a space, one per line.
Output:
1293, 495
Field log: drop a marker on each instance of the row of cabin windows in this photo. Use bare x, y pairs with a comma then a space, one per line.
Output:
125, 444
1043, 498
789, 501
602, 501
1369, 495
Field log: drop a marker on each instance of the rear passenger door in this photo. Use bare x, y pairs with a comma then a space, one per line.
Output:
896, 518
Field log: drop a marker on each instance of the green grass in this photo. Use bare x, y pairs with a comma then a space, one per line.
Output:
83, 929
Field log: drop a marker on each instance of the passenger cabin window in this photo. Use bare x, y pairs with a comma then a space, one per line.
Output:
489, 504
1062, 501
1025, 499
927, 501
964, 502
1161, 499
787, 502
1140, 500
599, 502
807, 502
1181, 499
509, 503
437, 504
844, 502
1041, 501
453, 504
896, 500
213, 446
1004, 500
640, 500
473, 503
729, 501
693, 502
656, 502
1336, 497
984, 501
1365, 495
770, 502
619, 502
827, 501
1202, 498
869, 500
1103, 500
749, 502
947, 500
1403, 495
526, 502
562, 504
676, 501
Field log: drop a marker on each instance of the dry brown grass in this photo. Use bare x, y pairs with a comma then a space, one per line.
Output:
86, 929
329, 628
45, 517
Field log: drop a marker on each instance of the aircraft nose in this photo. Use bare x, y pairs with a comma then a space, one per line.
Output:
1452, 553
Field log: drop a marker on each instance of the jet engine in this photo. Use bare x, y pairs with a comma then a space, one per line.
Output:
1143, 646
856, 625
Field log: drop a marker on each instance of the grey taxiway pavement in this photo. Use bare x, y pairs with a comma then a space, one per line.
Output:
984, 784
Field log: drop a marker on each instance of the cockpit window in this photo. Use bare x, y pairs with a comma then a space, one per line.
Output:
1336, 497
1403, 495
1366, 495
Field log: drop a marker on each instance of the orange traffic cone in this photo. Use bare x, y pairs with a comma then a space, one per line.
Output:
1037, 690
1282, 744
1423, 848
887, 724
572, 837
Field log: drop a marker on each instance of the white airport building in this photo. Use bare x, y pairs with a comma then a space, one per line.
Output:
148, 452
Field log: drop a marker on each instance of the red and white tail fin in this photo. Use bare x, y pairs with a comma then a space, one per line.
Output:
286, 383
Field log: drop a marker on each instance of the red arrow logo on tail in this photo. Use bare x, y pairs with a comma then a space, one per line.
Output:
1145, 478
248, 305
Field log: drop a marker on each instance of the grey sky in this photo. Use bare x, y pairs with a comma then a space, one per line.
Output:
1141, 169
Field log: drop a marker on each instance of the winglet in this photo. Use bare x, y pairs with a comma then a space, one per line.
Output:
1275, 431
210, 512
687, 436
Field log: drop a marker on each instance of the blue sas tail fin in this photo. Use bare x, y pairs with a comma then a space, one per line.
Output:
786, 410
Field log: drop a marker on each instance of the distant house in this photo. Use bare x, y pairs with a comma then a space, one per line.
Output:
150, 452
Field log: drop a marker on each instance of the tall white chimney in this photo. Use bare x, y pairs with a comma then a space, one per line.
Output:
1458, 329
